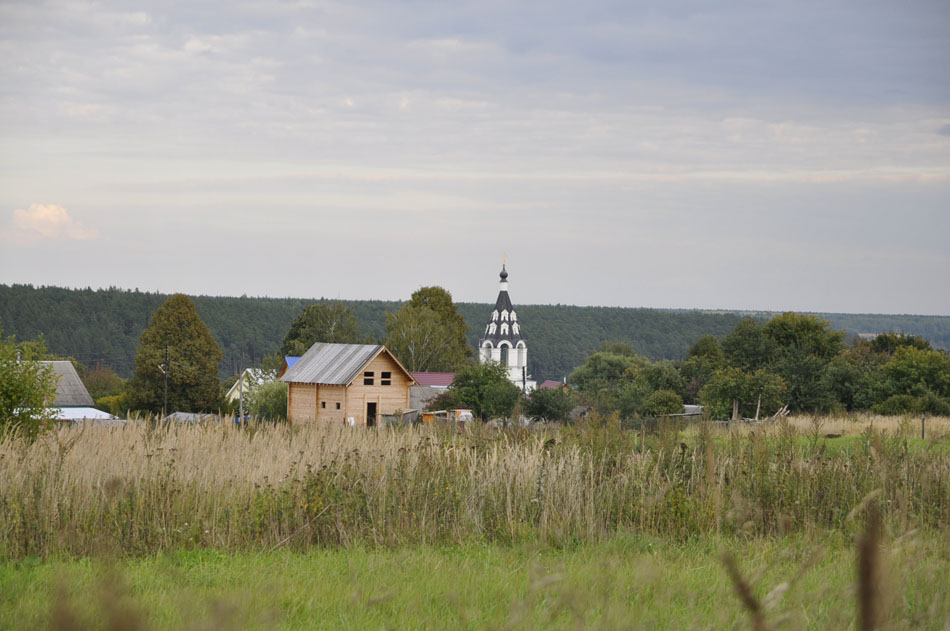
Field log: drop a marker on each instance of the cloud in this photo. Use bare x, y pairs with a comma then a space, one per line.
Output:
42, 221
944, 131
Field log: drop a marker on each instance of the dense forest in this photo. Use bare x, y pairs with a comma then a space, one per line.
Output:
104, 325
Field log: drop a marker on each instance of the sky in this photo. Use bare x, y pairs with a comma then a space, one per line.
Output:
679, 154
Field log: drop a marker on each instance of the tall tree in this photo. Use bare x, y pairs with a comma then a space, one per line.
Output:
485, 389
193, 356
331, 322
26, 387
440, 301
422, 341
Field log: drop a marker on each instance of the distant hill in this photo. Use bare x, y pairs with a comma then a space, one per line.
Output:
104, 325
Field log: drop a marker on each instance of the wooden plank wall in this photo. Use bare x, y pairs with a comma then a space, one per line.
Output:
331, 395
302, 403
388, 398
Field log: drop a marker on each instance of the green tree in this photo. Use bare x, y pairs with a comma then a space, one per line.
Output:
604, 370
889, 342
704, 358
26, 387
748, 347
663, 402
440, 301
330, 322
193, 356
855, 377
102, 381
549, 404
804, 346
485, 389
917, 372
422, 341
268, 401
729, 384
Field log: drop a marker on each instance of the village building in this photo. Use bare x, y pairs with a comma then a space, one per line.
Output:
286, 365
354, 384
72, 402
503, 341
429, 386
249, 379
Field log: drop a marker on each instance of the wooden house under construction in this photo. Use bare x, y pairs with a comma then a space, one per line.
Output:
346, 383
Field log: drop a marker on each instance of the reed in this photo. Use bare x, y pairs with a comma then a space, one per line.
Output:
137, 489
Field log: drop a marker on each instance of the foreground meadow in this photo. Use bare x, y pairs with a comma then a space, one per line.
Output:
415, 527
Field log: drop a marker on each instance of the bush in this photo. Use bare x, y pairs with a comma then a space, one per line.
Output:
663, 402
929, 403
549, 404
268, 401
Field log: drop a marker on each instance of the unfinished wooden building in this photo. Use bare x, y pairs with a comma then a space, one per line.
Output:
346, 383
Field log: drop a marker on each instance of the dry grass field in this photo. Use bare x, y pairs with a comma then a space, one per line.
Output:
137, 489
586, 526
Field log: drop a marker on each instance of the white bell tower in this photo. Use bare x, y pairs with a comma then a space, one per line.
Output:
503, 341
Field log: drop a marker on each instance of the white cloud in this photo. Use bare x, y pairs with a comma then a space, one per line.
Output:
46, 221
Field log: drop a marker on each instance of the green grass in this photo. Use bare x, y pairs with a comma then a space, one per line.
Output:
623, 582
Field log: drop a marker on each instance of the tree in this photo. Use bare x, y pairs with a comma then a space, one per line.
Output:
663, 402
805, 335
917, 372
268, 401
704, 358
889, 342
804, 346
330, 322
193, 356
26, 387
485, 389
422, 341
440, 301
604, 370
759, 389
549, 404
102, 381
748, 347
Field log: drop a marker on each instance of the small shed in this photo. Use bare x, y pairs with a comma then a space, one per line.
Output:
333, 383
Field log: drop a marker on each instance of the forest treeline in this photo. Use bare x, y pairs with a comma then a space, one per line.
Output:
103, 326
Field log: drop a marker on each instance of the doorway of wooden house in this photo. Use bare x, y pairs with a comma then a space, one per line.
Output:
371, 414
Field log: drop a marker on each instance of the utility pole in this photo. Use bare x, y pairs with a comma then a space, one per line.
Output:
241, 395
165, 406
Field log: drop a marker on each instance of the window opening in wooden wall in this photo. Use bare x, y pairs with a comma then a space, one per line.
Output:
368, 378
338, 405
385, 378
323, 404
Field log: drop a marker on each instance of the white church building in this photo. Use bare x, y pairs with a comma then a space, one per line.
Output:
503, 341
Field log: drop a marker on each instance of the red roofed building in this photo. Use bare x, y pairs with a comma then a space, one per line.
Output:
434, 379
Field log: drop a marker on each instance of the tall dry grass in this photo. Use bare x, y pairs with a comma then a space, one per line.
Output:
136, 489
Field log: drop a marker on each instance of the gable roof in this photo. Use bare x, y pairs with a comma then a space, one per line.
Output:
335, 364
70, 391
434, 379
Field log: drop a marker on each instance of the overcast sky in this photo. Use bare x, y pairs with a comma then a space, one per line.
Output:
740, 155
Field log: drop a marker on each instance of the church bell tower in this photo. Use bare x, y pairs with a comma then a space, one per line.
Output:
503, 341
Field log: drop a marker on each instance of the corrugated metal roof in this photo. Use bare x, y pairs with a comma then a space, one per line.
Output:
70, 392
331, 364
